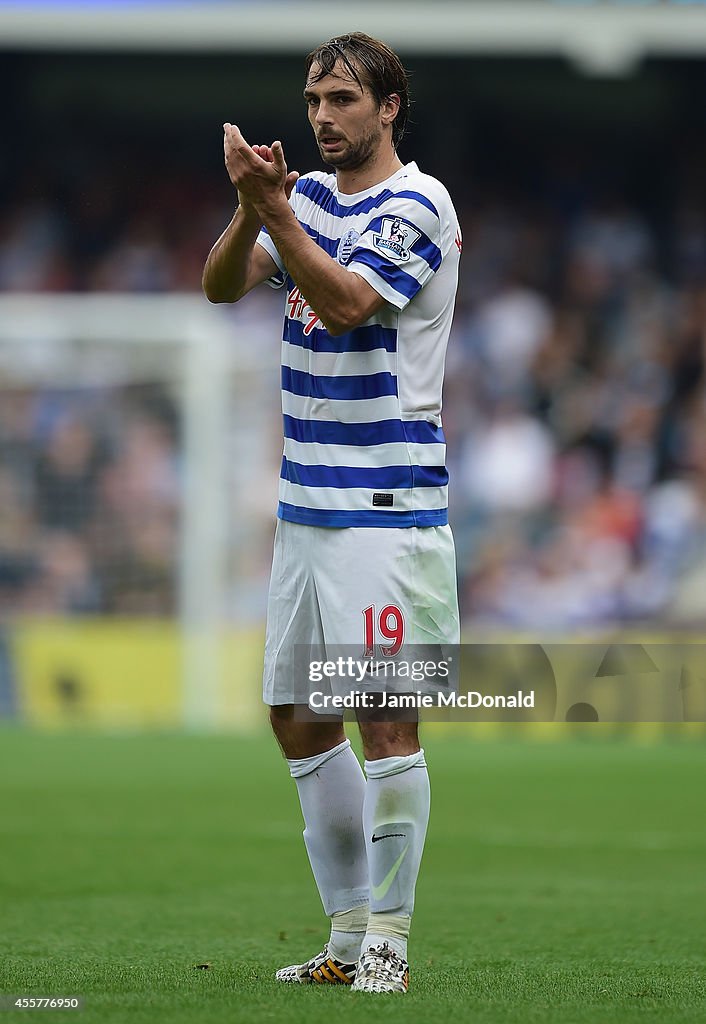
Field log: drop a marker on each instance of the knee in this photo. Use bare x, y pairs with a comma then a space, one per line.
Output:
280, 717
303, 738
284, 728
388, 739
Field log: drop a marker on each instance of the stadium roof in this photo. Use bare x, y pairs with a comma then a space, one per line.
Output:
603, 37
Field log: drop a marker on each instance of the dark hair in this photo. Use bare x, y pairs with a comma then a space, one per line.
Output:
369, 62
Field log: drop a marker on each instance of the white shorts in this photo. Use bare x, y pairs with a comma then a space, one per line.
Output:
357, 590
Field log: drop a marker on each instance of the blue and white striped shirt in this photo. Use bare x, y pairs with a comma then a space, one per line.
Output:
363, 444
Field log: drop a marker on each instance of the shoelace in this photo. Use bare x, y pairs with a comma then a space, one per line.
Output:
383, 955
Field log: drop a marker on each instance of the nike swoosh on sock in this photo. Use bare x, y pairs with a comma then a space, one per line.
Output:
380, 891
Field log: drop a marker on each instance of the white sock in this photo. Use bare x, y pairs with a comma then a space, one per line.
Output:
390, 928
331, 789
395, 818
347, 933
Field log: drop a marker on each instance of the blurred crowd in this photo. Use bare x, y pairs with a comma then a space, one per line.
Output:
576, 421
574, 408
89, 501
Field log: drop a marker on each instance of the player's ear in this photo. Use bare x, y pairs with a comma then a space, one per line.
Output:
389, 108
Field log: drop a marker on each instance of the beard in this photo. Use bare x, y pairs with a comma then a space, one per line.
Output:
354, 155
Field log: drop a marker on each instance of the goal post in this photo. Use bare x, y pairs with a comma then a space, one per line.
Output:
107, 357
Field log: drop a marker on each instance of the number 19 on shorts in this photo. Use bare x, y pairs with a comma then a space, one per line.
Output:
390, 627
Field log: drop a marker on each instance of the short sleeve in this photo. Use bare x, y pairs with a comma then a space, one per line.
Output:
263, 239
400, 249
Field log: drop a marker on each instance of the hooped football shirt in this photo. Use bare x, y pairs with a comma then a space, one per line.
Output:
363, 442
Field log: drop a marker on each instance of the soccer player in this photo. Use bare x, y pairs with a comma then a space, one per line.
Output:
368, 257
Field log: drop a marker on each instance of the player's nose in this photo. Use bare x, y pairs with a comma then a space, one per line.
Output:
324, 114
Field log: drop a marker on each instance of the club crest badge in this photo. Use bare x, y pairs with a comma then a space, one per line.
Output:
396, 238
346, 246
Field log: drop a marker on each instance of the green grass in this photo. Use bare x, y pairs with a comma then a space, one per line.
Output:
563, 883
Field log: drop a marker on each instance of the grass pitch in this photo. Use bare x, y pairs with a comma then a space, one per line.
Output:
563, 883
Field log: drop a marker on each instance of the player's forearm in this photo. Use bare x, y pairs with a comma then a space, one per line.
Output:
328, 288
225, 275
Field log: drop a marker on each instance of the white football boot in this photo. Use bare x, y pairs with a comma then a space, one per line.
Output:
381, 969
322, 969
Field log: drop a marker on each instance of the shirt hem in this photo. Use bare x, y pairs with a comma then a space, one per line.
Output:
339, 518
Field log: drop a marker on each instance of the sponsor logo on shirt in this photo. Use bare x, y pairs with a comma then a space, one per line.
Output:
299, 309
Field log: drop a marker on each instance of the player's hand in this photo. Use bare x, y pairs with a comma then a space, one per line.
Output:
274, 154
258, 172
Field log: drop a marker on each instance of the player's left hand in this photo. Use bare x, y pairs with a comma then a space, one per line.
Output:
258, 172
